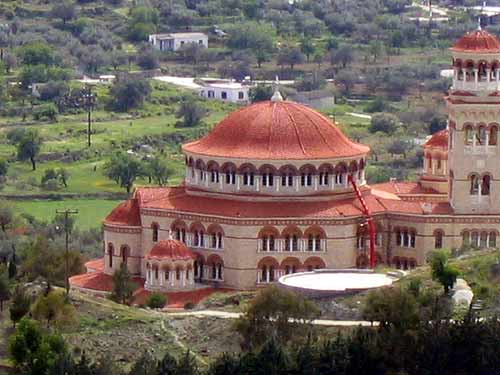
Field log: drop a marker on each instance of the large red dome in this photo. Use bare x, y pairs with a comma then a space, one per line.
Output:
478, 41
276, 130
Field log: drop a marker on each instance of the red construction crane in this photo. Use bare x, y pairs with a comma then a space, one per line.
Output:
369, 220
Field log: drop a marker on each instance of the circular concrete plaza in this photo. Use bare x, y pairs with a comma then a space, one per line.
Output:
331, 282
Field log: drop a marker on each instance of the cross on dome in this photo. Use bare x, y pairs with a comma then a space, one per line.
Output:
277, 95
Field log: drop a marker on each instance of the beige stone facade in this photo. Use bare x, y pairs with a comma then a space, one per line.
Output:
289, 205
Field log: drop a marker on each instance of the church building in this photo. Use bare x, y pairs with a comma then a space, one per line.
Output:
268, 192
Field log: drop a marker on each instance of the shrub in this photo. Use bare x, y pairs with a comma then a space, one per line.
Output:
189, 305
157, 301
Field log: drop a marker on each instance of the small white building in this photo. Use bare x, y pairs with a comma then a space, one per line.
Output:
225, 90
175, 41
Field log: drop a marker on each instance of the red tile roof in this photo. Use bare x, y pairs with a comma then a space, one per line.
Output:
438, 139
477, 41
403, 187
417, 207
95, 265
127, 213
279, 130
170, 249
98, 281
177, 199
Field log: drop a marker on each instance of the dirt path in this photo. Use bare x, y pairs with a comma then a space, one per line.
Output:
233, 315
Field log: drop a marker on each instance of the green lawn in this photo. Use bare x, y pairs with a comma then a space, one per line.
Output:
91, 211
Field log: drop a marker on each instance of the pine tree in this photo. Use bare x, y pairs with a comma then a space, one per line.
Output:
187, 365
145, 365
4, 289
20, 305
83, 367
167, 366
123, 286
273, 359
12, 270
226, 364
305, 359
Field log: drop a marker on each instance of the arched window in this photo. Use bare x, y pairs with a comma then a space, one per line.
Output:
323, 178
287, 174
474, 184
111, 251
475, 239
306, 179
399, 238
271, 274
268, 242
465, 238
177, 273
492, 141
313, 242
469, 135
248, 178
287, 179
214, 176
483, 241
125, 252
156, 272
230, 177
481, 136
267, 172
492, 242
155, 228
485, 186
413, 236
438, 239
180, 234
229, 171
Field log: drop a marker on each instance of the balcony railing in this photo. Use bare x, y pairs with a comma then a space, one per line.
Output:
475, 86
302, 246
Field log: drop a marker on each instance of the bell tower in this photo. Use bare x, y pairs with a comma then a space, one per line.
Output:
473, 107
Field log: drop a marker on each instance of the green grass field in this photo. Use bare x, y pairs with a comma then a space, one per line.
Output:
91, 211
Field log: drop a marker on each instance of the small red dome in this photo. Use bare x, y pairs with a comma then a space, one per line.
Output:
170, 249
276, 130
438, 139
127, 213
478, 41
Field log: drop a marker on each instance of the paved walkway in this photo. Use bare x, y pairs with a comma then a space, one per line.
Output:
234, 315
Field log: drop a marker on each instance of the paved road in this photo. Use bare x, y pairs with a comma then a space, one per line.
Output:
234, 315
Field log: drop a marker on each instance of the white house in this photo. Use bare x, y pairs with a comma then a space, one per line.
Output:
225, 90
175, 41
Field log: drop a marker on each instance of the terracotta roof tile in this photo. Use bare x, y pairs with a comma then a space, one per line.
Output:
438, 139
177, 199
477, 41
127, 213
95, 265
98, 281
280, 130
170, 249
403, 187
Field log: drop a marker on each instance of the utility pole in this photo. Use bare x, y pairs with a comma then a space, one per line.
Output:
89, 99
66, 214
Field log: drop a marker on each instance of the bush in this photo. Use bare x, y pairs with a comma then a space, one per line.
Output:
51, 185
47, 111
157, 301
189, 305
